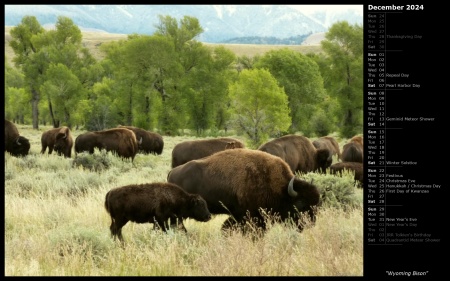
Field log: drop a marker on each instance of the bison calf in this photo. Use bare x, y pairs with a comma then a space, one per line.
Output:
162, 204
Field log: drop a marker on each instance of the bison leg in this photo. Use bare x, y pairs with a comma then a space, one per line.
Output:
44, 147
116, 227
160, 224
177, 223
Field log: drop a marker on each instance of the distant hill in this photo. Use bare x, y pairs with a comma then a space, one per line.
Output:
314, 39
264, 24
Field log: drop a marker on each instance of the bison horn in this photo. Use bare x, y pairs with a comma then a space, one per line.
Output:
291, 190
17, 141
65, 136
140, 140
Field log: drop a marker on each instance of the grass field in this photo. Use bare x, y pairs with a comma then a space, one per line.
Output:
56, 225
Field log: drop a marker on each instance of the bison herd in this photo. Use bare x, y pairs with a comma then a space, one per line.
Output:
210, 176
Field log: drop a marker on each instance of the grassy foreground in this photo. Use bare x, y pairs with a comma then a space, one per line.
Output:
56, 225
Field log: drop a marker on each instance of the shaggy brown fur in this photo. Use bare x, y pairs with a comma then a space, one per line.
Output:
15, 144
238, 181
299, 153
118, 140
196, 149
329, 143
59, 139
162, 204
148, 142
355, 167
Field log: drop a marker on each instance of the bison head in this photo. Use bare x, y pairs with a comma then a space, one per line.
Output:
199, 208
20, 146
324, 158
305, 196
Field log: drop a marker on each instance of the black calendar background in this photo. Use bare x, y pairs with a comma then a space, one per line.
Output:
421, 142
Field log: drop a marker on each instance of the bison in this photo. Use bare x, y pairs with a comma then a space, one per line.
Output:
149, 142
299, 153
59, 139
358, 139
329, 143
353, 150
120, 141
354, 167
245, 183
163, 204
15, 144
196, 149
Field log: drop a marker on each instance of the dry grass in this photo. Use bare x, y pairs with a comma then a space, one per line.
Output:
56, 225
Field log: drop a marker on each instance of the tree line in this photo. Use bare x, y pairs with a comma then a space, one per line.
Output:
169, 81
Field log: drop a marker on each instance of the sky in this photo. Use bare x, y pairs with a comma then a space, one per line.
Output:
307, 9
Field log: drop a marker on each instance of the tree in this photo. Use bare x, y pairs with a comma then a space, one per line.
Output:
259, 106
63, 91
36, 50
206, 89
301, 79
16, 98
343, 69
23, 45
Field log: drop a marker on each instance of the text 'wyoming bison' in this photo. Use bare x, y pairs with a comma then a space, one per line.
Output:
189, 150
299, 153
59, 139
148, 142
163, 204
120, 141
15, 144
241, 182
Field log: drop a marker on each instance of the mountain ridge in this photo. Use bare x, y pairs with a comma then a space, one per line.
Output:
220, 22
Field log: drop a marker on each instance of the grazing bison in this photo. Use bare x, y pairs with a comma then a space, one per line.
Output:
196, 149
163, 204
355, 167
59, 139
299, 153
329, 143
241, 182
353, 150
121, 141
149, 142
358, 139
15, 144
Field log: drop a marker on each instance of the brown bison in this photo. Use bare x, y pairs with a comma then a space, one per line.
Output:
354, 167
196, 149
163, 204
358, 139
121, 141
149, 142
243, 182
329, 143
299, 153
15, 144
353, 150
59, 139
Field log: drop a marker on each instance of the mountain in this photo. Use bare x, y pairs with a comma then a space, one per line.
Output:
221, 23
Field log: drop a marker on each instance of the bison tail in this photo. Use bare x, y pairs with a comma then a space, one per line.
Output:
107, 207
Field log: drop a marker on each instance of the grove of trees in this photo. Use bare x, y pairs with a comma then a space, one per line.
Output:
169, 82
